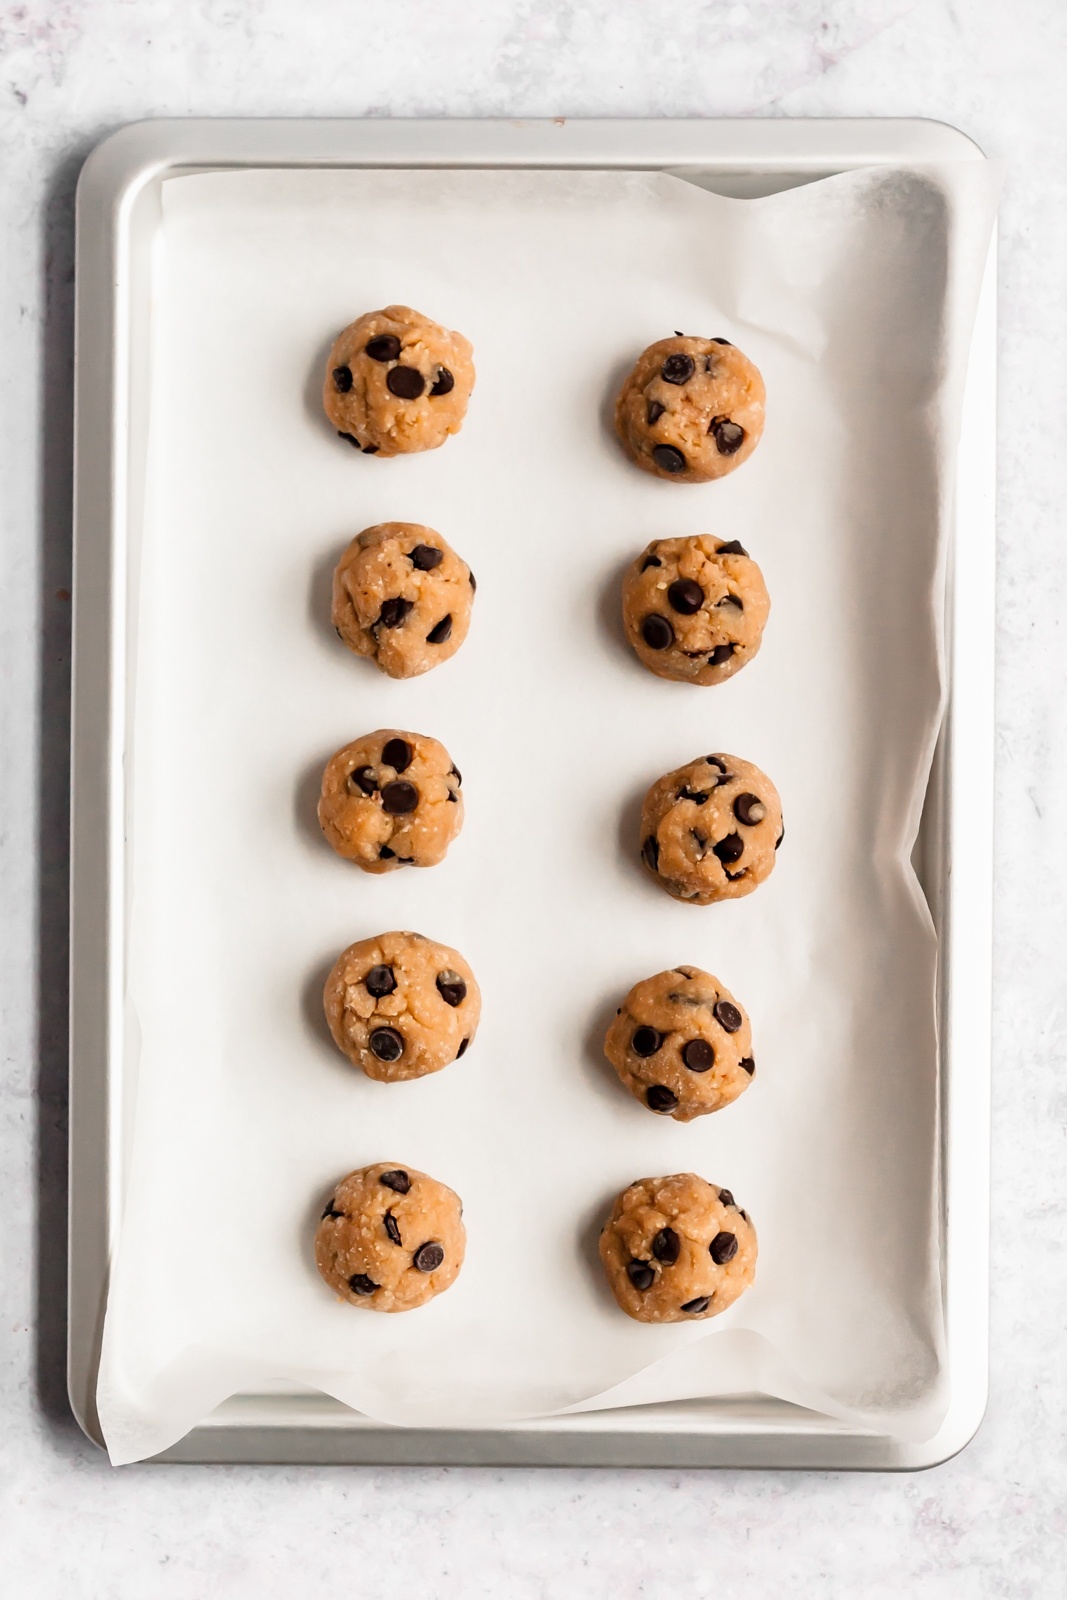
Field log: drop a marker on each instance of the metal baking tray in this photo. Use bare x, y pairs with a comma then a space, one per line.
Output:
118, 212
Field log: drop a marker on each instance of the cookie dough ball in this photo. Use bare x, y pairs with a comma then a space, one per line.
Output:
675, 1249
681, 1044
397, 382
390, 1238
390, 800
691, 409
403, 597
694, 609
709, 831
401, 1006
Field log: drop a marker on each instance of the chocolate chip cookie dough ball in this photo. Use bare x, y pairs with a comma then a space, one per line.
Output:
677, 1248
691, 409
694, 609
397, 382
403, 597
390, 1238
400, 1006
681, 1044
390, 800
709, 830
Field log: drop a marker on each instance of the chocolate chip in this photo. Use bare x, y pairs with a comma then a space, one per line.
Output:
385, 854
397, 1180
685, 596
727, 1015
398, 754
733, 548
720, 655
385, 347
749, 809
361, 1283
645, 1042
654, 412
697, 1305
728, 850
444, 383
720, 765
650, 561
660, 1098
780, 837
371, 449
731, 600
342, 379
393, 612
657, 632
350, 437
677, 368
401, 797
749, 1065
723, 1248
441, 632
392, 1227
733, 876
407, 383
463, 1043
363, 778
726, 1197
380, 981
425, 557
454, 772
451, 987
729, 436
744, 1214
473, 581
650, 853
698, 796
640, 1274
698, 1055
387, 1044
453, 797
666, 1246
330, 1211
428, 1257
668, 459
722, 341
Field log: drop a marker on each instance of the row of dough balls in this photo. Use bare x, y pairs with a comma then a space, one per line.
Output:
709, 830
674, 1249
690, 410
401, 1006
694, 608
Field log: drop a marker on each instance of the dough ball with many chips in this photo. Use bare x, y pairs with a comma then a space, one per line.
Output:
390, 1238
397, 383
403, 597
391, 799
400, 1006
694, 609
709, 830
677, 1248
682, 1044
691, 409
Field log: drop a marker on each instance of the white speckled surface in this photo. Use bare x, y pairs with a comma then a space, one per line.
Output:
993, 1522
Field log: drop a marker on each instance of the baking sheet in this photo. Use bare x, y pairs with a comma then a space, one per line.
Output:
854, 295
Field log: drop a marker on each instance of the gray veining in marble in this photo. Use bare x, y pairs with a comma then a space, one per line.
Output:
991, 1523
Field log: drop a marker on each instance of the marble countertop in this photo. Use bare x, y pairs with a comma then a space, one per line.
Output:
993, 1521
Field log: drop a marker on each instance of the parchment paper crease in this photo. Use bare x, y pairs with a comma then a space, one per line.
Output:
855, 296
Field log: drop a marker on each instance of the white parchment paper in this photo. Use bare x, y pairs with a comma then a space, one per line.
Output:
855, 296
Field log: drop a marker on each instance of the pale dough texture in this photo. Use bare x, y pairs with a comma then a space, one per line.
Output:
400, 1006
391, 799
709, 830
682, 1044
390, 1238
403, 597
676, 1249
691, 409
694, 609
397, 382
